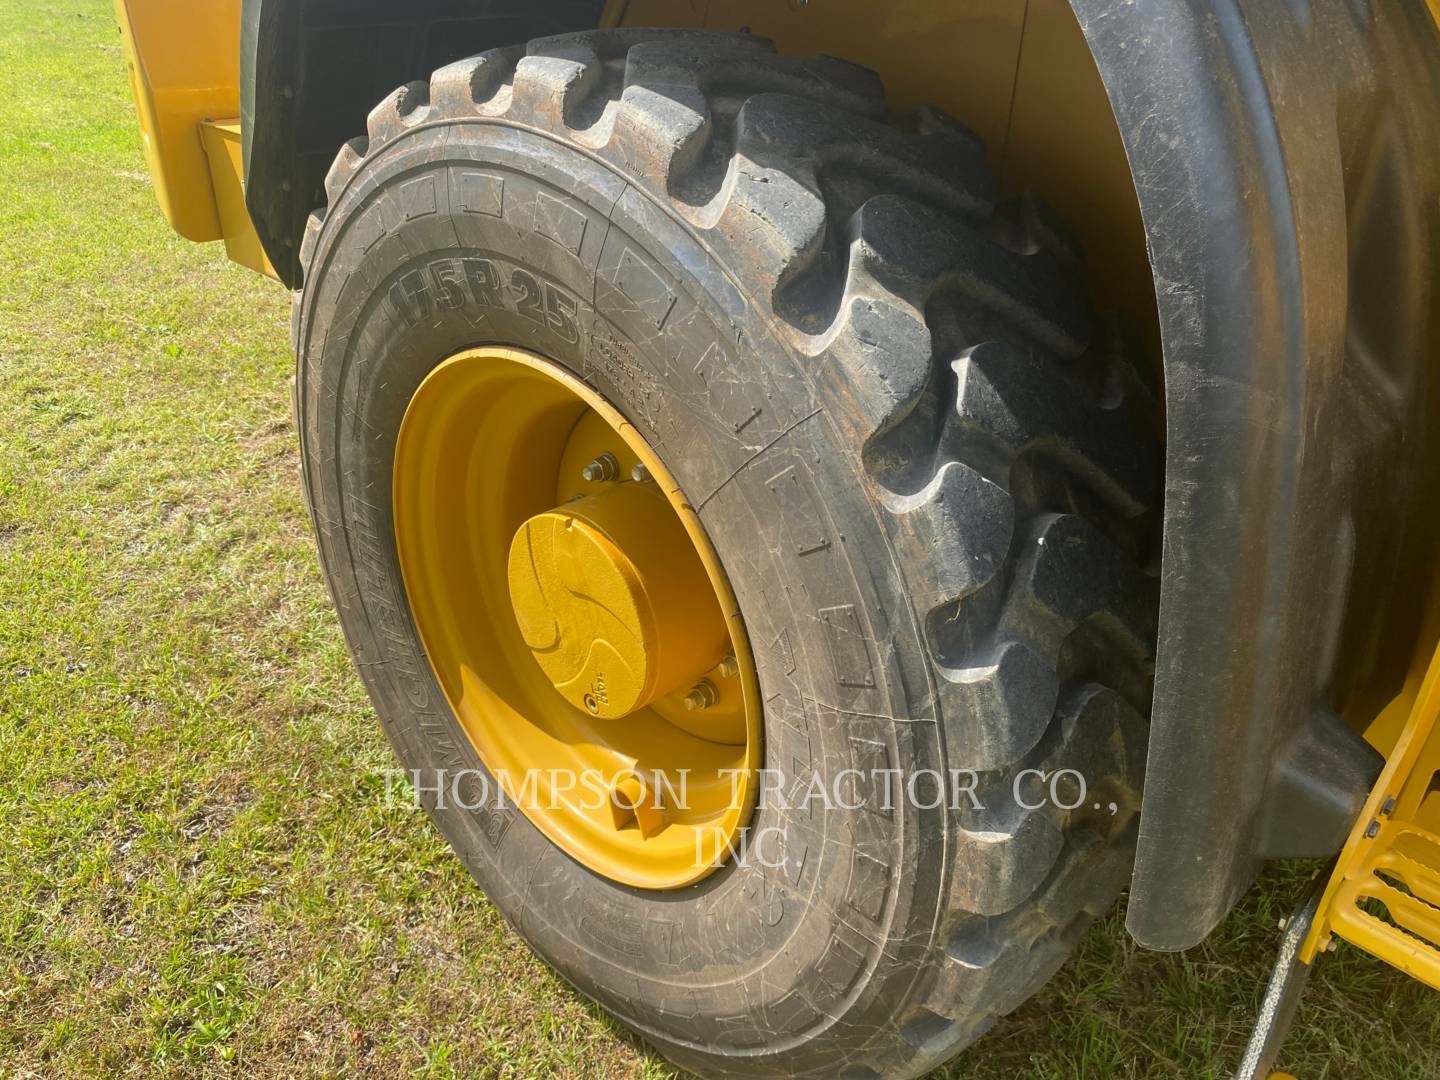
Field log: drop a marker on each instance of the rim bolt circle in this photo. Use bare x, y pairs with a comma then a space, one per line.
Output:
701, 696
603, 468
639, 473
729, 667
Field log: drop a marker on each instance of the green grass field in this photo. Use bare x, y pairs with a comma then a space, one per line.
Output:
199, 874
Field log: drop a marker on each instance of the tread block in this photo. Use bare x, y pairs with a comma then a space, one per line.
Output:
1011, 402
548, 89
955, 531
1001, 867
934, 122
770, 211
471, 84
659, 135
994, 963
997, 711
311, 240
1038, 228
996, 699
844, 90
1070, 573
1085, 775
403, 108
857, 154
350, 158
878, 357
916, 251
688, 60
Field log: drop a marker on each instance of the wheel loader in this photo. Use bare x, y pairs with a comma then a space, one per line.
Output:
825, 496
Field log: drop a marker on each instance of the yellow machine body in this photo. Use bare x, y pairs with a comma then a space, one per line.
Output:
221, 141
1020, 74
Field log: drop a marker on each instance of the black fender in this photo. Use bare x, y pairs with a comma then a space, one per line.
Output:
1287, 162
1286, 156
311, 70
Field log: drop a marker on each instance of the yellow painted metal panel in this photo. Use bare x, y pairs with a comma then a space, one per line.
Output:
184, 59
221, 140
1385, 729
1063, 144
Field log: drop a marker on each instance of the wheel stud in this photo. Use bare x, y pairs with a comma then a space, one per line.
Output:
729, 667
639, 473
603, 468
702, 695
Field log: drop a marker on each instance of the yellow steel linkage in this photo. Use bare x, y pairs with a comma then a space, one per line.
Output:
1384, 895
1383, 892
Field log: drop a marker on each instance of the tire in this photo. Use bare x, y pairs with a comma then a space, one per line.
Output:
931, 475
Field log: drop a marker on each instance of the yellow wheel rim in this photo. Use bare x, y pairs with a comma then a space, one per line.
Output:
577, 618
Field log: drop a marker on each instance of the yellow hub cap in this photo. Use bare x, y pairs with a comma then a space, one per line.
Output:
577, 618
614, 601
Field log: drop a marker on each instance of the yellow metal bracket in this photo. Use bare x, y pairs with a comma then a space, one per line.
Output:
1384, 895
221, 140
184, 62
1383, 891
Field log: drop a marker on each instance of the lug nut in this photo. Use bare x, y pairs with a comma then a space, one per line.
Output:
604, 467
702, 696
639, 473
729, 667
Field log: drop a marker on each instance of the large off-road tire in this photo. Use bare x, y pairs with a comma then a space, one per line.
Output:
930, 477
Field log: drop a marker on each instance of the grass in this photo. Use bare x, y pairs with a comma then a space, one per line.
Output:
199, 874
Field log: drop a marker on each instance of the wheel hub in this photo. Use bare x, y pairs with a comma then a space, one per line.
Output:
613, 600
